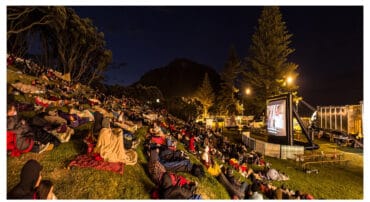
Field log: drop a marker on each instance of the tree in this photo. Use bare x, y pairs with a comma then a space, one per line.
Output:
226, 100
71, 45
185, 108
25, 21
267, 67
81, 49
24, 18
205, 95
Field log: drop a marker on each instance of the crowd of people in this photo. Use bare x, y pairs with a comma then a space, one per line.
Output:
220, 158
113, 120
31, 185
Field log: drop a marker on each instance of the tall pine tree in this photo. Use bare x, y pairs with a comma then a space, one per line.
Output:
266, 66
205, 95
226, 101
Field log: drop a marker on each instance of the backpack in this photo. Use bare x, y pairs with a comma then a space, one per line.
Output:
177, 192
175, 187
17, 144
127, 140
98, 117
156, 171
198, 171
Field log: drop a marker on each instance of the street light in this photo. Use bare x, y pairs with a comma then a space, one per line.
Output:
289, 80
289, 83
247, 92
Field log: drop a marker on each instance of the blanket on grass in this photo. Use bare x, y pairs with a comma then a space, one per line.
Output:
111, 149
27, 89
88, 161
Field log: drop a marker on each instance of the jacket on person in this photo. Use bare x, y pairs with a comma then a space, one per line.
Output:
25, 189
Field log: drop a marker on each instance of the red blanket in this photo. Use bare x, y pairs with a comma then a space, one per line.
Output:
87, 161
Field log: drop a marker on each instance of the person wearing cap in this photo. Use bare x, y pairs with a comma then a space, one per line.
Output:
30, 180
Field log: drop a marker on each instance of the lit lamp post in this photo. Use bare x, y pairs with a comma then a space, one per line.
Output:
247, 92
289, 81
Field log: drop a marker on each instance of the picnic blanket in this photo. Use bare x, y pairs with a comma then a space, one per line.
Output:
83, 114
110, 147
94, 101
63, 133
103, 111
26, 89
88, 161
46, 103
273, 174
125, 126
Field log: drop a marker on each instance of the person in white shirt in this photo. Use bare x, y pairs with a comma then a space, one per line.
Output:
255, 192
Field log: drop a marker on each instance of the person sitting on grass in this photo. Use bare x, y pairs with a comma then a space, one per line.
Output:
45, 190
299, 195
156, 135
30, 180
169, 185
206, 158
214, 169
256, 195
191, 147
231, 178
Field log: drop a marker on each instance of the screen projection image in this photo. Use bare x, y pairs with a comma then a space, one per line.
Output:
276, 118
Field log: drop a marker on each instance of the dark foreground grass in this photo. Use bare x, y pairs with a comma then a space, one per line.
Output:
84, 183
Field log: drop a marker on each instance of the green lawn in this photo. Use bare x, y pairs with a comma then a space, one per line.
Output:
333, 181
85, 183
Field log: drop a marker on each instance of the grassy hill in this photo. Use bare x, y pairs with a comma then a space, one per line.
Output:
332, 182
87, 183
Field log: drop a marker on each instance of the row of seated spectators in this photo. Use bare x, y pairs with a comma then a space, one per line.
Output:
164, 163
213, 149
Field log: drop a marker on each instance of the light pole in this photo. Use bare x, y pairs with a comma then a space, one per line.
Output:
289, 81
243, 107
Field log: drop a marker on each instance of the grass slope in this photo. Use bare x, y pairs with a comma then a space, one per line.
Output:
334, 181
86, 183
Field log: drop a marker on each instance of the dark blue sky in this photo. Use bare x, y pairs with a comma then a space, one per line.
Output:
328, 42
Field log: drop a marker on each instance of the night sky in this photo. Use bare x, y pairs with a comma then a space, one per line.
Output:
328, 41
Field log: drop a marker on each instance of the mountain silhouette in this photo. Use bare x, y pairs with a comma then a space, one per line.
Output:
181, 77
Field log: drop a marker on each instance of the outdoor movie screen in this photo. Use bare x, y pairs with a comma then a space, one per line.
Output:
276, 117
